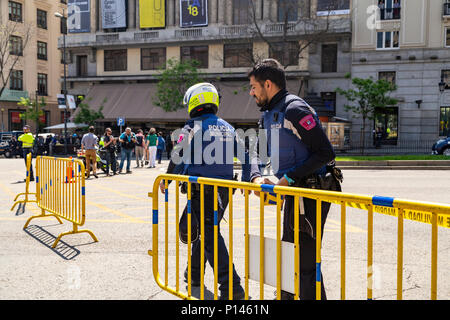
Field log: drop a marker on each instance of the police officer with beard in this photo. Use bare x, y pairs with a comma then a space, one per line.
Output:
304, 152
202, 101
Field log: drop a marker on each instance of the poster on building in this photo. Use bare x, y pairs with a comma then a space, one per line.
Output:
194, 13
79, 16
152, 13
114, 14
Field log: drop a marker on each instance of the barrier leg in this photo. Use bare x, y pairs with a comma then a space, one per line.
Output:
42, 215
74, 231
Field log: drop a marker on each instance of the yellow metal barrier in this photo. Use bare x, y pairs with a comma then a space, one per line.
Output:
27, 186
60, 193
440, 216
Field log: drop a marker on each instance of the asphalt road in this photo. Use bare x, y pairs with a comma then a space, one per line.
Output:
119, 213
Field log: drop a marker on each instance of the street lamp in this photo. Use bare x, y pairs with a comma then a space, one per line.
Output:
62, 16
3, 126
442, 85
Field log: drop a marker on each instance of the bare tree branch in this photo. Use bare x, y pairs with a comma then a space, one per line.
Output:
8, 58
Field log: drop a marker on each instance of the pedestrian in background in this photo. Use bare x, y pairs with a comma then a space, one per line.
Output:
169, 144
109, 143
88, 143
27, 140
152, 143
127, 142
160, 147
139, 149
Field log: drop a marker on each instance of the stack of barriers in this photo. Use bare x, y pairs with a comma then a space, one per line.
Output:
60, 190
431, 213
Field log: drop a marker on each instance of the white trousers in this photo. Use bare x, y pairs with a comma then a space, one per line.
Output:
152, 155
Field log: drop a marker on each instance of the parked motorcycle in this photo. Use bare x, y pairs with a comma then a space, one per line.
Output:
101, 158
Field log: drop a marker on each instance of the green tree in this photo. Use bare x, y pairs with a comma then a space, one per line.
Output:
33, 112
366, 96
86, 115
173, 83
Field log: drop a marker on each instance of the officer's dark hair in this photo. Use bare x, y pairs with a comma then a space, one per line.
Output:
91, 129
269, 69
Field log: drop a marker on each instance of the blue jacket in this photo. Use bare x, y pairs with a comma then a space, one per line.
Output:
161, 143
297, 144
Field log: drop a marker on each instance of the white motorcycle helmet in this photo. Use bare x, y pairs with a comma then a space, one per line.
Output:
200, 97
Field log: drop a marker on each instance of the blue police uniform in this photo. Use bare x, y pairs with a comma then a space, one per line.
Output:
302, 149
196, 164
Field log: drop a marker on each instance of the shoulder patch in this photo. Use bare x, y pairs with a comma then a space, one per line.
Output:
308, 122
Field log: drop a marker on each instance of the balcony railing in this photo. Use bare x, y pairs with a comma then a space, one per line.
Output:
390, 13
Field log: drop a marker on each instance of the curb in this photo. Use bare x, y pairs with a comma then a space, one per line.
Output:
395, 165
389, 165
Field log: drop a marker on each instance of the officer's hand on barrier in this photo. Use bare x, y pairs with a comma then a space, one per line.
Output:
162, 187
258, 180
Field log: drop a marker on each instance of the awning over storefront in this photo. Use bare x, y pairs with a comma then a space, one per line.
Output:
134, 102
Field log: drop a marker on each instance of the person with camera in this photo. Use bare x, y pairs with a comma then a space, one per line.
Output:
127, 142
109, 144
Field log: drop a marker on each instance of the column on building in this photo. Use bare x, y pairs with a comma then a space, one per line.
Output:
228, 12
213, 11
170, 13
96, 22
258, 8
221, 11
131, 10
177, 13
266, 10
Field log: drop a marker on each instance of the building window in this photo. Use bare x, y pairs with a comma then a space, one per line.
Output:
42, 50
444, 123
15, 11
237, 55
41, 19
287, 53
199, 53
388, 76
389, 9
153, 58
388, 40
386, 121
116, 60
42, 84
82, 70
445, 75
329, 101
287, 9
447, 8
16, 80
15, 45
332, 7
63, 113
447, 36
241, 11
15, 121
329, 58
